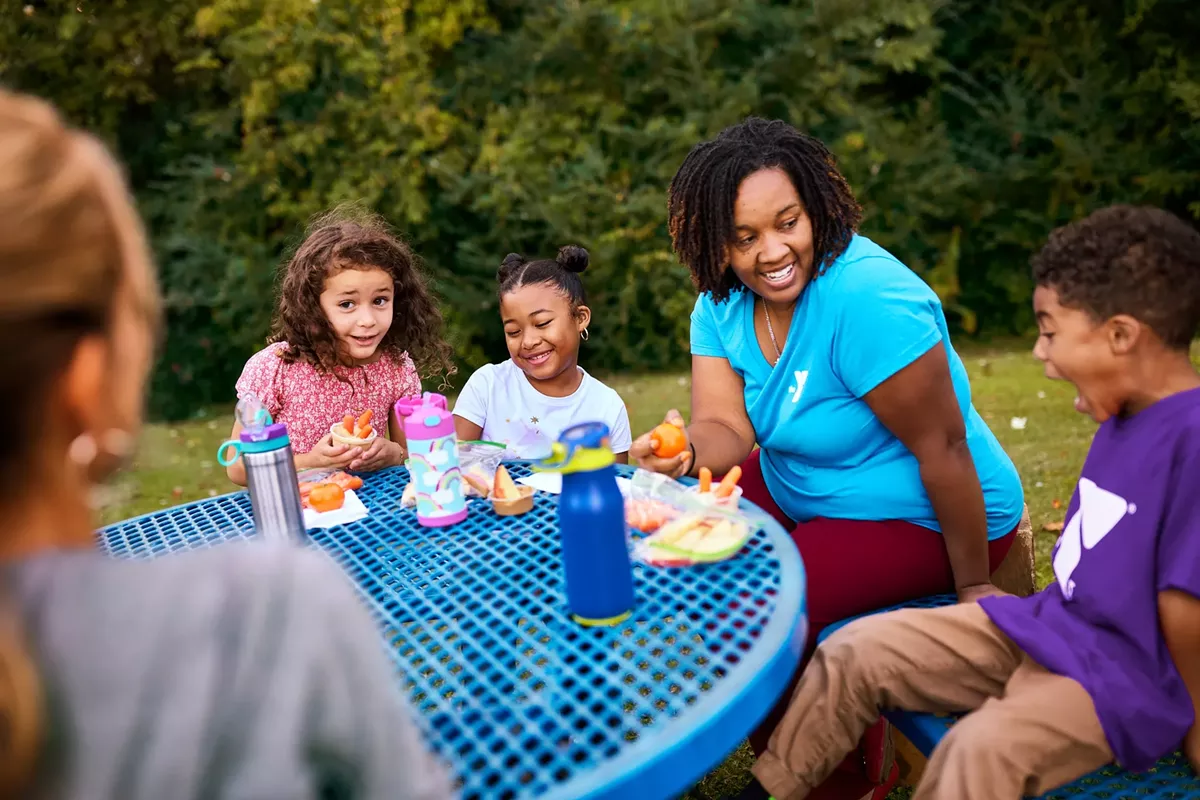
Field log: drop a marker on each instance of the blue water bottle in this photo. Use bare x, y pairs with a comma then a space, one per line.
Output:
591, 523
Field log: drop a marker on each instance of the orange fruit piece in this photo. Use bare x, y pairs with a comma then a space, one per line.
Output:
326, 497
728, 482
345, 480
668, 440
503, 487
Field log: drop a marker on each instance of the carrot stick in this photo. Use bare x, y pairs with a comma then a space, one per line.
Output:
728, 482
705, 480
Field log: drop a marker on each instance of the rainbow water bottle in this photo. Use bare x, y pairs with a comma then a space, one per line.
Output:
433, 459
591, 522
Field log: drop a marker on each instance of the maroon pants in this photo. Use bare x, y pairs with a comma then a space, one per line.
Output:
853, 567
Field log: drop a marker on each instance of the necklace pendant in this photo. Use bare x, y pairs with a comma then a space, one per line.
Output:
771, 333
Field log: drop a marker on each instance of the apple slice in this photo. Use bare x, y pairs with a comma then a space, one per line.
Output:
476, 483
504, 488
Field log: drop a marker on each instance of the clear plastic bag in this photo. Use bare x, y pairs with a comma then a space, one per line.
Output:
478, 462
691, 531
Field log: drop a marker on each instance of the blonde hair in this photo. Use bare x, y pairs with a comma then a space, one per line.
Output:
67, 231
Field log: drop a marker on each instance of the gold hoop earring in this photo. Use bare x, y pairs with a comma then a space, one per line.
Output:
118, 443
83, 450
114, 442
583, 334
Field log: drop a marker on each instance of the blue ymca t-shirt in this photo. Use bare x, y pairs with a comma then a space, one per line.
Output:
824, 452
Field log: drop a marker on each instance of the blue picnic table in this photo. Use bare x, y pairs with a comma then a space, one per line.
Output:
518, 699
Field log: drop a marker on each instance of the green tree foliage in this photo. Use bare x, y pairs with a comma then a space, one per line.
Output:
968, 128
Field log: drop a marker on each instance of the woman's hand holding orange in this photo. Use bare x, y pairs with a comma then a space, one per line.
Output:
660, 450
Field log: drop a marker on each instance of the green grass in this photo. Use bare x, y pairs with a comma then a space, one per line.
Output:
177, 462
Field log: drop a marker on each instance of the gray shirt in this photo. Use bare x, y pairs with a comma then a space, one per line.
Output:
245, 671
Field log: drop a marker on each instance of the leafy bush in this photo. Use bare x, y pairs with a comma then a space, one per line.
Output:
968, 128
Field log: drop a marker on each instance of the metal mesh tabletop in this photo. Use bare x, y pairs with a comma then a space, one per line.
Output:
517, 698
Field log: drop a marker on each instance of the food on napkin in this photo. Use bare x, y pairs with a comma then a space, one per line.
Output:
326, 497
343, 480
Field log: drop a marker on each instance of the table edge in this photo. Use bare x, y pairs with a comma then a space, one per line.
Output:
762, 678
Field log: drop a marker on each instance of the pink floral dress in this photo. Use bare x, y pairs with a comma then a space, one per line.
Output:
310, 401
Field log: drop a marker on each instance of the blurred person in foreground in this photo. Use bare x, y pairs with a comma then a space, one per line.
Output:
244, 671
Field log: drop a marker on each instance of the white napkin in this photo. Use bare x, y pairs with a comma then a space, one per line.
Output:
352, 509
551, 482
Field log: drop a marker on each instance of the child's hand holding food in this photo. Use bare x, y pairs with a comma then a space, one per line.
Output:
380, 454
328, 453
665, 449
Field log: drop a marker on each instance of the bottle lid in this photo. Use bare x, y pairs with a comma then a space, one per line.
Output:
276, 430
407, 406
580, 448
425, 417
253, 440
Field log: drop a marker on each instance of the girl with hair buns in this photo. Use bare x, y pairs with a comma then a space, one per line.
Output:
526, 402
245, 670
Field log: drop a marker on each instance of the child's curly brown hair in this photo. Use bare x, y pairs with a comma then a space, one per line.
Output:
345, 238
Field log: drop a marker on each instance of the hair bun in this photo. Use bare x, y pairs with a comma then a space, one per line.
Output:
572, 258
511, 263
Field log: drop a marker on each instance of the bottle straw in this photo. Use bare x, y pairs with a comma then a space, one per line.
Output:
252, 414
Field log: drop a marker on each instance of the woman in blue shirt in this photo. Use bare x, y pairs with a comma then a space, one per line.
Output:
814, 343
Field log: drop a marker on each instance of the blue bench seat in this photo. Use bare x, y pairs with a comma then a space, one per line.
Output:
1171, 779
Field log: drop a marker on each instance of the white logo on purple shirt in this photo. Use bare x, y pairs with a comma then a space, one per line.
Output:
1098, 513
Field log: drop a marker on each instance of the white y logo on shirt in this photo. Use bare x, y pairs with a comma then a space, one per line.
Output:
1099, 512
798, 389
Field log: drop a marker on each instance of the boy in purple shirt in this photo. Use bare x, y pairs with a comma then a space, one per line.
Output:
1104, 664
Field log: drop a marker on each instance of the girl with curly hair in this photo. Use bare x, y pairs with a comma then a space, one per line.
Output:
355, 328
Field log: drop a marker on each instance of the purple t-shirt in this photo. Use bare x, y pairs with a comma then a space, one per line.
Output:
1133, 530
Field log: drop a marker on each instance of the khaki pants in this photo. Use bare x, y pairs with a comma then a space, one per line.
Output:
1029, 731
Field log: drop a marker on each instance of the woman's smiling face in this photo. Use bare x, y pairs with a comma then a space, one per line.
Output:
772, 247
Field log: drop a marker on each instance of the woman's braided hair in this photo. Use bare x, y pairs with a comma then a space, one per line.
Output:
703, 191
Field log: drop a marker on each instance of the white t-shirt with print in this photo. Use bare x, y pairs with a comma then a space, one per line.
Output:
500, 399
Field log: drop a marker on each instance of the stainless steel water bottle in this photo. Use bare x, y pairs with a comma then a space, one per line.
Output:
266, 451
